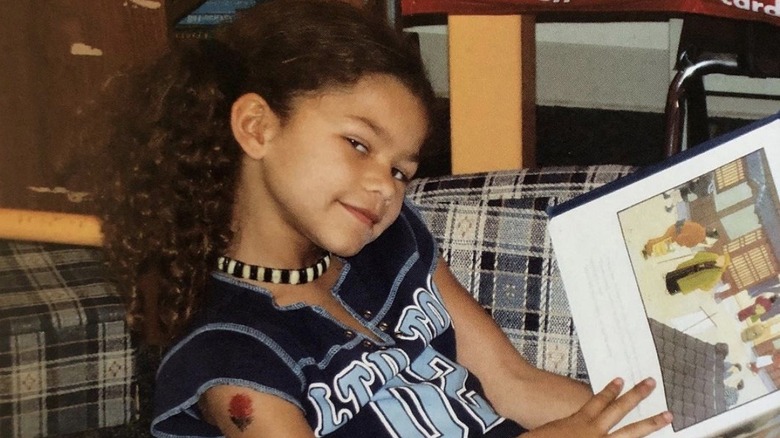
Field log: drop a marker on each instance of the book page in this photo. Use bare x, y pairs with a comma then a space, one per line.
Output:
677, 277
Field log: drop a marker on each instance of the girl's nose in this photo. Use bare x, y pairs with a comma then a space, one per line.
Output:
379, 179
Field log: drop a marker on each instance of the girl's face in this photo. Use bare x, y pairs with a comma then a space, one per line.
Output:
335, 172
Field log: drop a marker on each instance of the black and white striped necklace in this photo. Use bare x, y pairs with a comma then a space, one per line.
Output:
246, 271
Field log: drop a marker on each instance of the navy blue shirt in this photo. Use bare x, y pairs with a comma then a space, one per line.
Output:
346, 384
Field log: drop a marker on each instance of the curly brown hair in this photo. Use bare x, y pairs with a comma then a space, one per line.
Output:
167, 193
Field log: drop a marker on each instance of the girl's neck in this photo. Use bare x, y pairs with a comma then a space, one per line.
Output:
265, 234
259, 240
273, 252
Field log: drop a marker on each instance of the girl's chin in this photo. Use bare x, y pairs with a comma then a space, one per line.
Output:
349, 249
347, 252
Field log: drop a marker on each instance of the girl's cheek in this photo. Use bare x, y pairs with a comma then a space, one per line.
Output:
393, 214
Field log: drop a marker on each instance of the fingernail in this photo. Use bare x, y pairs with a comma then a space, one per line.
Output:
618, 382
649, 382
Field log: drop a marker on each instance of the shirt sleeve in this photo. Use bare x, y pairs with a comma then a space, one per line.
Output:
218, 355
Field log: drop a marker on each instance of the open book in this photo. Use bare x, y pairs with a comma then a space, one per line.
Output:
673, 272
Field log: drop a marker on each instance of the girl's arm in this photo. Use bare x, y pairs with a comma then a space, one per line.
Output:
245, 413
517, 389
522, 392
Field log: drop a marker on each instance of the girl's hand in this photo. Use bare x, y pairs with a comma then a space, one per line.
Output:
603, 411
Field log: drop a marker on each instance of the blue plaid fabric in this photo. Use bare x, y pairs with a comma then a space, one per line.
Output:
66, 359
492, 228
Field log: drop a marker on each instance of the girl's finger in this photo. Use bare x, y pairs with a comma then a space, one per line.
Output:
644, 427
596, 405
623, 404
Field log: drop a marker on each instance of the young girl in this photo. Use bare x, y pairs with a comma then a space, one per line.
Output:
256, 219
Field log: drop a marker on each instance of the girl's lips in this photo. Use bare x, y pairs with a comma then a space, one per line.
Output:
366, 216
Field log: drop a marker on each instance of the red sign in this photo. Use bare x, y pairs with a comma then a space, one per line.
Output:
753, 10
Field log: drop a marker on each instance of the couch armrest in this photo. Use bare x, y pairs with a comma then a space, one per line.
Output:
67, 360
492, 229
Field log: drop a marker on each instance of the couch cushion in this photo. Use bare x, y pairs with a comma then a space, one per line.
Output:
66, 360
492, 229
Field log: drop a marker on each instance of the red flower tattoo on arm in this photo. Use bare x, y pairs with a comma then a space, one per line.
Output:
240, 411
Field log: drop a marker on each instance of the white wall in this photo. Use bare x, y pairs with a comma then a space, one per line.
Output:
624, 66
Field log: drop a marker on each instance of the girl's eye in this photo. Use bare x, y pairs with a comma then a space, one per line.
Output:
400, 176
360, 147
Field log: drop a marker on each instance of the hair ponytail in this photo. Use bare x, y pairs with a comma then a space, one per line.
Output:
226, 65
166, 197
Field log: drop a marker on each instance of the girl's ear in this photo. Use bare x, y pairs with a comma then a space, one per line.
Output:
253, 124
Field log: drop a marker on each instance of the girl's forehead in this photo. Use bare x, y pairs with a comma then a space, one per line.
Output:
368, 83
383, 93
380, 104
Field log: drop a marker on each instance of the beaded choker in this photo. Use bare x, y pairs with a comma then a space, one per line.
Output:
246, 271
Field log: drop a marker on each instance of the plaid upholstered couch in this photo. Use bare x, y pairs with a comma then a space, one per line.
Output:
67, 363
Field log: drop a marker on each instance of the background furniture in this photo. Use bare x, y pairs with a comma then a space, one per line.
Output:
60, 52
714, 45
67, 362
491, 58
